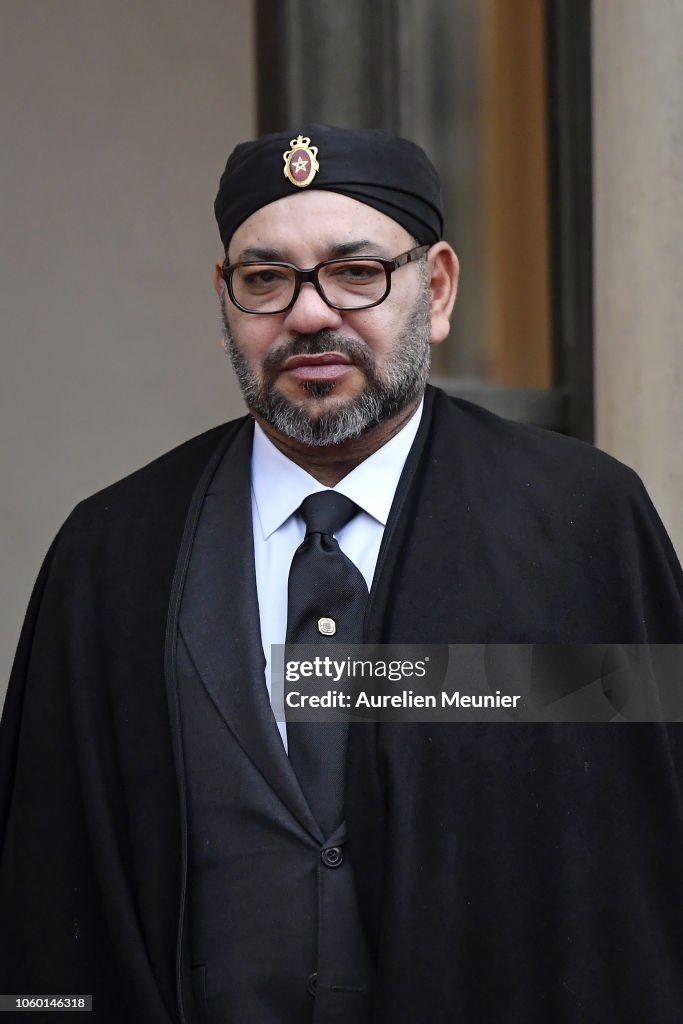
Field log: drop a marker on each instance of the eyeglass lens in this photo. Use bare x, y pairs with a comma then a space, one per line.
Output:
269, 288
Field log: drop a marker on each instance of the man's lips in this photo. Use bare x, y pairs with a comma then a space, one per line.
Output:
324, 366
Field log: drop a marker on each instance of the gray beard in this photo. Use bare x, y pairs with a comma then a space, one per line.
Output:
387, 392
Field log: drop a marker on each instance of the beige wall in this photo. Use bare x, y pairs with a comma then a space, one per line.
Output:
117, 119
638, 155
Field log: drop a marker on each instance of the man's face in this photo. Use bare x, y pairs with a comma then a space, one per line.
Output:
318, 375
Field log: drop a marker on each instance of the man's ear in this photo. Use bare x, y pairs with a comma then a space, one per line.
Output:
443, 282
218, 278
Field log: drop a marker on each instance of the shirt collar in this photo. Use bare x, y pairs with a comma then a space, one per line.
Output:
279, 485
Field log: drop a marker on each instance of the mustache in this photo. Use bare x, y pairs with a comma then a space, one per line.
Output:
315, 344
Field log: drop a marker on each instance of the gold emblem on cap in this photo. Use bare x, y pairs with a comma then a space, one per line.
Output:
328, 627
301, 161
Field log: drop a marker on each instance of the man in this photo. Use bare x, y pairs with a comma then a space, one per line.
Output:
170, 848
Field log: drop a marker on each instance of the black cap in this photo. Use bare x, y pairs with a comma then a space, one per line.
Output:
368, 164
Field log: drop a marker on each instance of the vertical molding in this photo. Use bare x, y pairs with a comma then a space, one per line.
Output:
515, 207
569, 88
439, 75
638, 70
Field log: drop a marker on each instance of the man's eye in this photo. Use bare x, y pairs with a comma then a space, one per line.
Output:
263, 278
357, 273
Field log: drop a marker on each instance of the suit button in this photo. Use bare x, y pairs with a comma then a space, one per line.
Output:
312, 984
332, 857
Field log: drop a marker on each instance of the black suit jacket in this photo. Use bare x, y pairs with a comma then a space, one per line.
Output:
267, 919
497, 865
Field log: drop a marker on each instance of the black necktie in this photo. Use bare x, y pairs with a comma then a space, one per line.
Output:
326, 602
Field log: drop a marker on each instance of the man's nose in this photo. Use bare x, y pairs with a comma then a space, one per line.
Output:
310, 313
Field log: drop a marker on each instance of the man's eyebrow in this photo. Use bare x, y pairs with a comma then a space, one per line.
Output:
257, 252
360, 246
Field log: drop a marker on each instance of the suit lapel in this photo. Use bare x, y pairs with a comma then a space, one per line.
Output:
219, 622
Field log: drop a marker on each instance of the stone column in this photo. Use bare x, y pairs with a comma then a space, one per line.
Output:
638, 193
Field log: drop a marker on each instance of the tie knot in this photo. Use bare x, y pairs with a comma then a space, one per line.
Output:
327, 512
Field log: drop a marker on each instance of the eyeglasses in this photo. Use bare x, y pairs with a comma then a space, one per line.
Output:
357, 282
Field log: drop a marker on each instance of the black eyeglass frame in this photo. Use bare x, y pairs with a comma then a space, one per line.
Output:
304, 276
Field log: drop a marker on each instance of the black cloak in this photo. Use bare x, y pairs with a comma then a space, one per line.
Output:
508, 873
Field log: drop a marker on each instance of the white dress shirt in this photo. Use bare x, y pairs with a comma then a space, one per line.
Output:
277, 489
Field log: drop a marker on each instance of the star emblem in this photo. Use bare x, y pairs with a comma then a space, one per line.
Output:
301, 162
